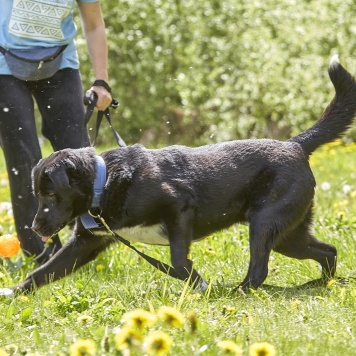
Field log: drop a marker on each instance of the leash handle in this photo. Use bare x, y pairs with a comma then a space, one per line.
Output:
90, 98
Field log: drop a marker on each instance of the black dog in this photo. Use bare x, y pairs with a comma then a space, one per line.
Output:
176, 195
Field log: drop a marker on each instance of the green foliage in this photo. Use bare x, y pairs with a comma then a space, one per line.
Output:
199, 71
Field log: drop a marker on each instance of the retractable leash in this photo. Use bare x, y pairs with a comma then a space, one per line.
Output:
91, 220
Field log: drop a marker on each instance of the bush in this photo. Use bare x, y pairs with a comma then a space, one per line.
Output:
196, 72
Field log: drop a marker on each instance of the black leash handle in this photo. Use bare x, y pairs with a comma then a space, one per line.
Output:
90, 99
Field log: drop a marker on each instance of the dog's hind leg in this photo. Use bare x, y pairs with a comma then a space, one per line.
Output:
261, 242
180, 232
301, 244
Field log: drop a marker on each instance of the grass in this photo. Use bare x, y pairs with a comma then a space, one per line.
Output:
92, 304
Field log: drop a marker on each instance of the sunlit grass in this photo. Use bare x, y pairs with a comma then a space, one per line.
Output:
94, 309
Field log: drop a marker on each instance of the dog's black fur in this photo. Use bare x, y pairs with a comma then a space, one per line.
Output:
184, 194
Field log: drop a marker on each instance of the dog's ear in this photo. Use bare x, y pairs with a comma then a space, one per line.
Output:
60, 173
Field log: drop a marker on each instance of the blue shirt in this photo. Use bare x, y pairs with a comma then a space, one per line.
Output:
43, 23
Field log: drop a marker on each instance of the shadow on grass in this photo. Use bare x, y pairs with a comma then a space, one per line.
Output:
317, 286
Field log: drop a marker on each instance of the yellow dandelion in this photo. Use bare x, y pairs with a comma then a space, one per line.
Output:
171, 316
139, 318
127, 338
229, 310
158, 343
229, 347
99, 267
295, 303
84, 319
331, 282
262, 349
3, 352
83, 348
23, 298
195, 296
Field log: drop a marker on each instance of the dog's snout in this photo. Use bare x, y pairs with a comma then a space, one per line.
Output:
34, 229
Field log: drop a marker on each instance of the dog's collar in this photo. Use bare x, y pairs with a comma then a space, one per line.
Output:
88, 220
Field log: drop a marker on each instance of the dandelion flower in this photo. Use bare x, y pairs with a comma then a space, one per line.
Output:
171, 316
346, 189
325, 186
331, 282
23, 298
295, 303
127, 338
84, 319
139, 318
229, 347
195, 296
229, 310
3, 352
99, 267
158, 343
83, 348
262, 349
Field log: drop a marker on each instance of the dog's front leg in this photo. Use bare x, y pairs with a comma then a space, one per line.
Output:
180, 236
79, 250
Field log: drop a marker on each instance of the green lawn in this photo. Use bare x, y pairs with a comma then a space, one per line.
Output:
91, 304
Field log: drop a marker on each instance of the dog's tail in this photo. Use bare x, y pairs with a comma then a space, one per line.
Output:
339, 114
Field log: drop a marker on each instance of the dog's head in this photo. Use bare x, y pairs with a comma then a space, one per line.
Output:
63, 185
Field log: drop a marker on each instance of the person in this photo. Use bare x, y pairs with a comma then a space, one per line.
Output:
31, 24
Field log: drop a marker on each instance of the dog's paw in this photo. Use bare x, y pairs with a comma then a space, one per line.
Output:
201, 288
6, 292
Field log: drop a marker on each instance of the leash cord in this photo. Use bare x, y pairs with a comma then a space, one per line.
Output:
163, 267
90, 99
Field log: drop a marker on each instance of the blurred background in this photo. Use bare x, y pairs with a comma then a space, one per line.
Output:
198, 71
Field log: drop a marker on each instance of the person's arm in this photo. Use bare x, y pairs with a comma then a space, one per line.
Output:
95, 35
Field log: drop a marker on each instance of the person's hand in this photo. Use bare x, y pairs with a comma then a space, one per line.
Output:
104, 97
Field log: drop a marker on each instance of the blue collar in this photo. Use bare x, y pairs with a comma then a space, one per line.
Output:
99, 183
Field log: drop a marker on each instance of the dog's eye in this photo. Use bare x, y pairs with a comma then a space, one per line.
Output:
50, 194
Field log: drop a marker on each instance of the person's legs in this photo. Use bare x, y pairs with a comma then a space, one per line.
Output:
21, 148
60, 101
